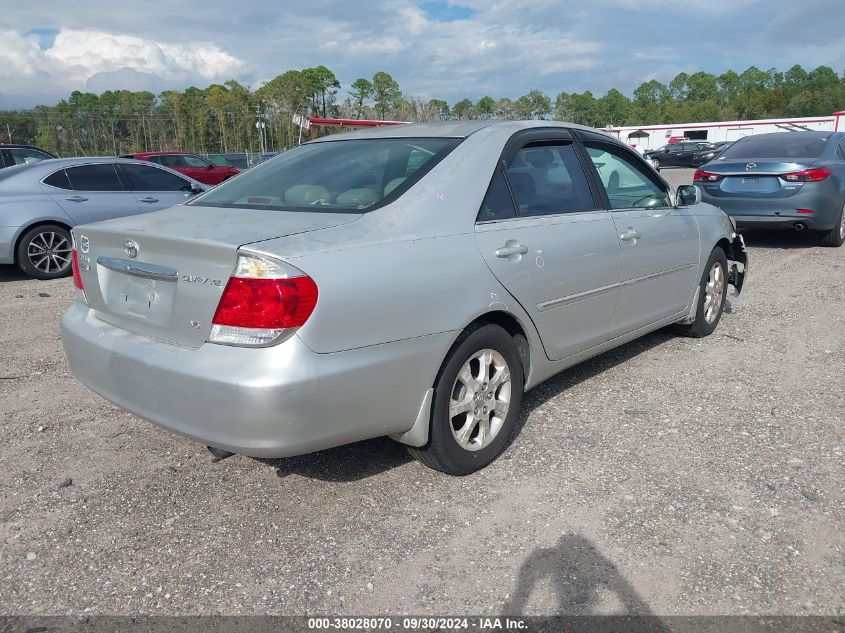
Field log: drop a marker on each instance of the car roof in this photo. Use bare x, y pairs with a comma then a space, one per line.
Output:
159, 153
445, 129
49, 165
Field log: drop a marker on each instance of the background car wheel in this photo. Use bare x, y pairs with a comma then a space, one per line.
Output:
44, 252
476, 402
713, 290
655, 163
836, 235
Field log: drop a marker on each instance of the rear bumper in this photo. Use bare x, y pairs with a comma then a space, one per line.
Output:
265, 402
782, 213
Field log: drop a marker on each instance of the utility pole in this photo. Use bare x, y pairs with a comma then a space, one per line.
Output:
9, 133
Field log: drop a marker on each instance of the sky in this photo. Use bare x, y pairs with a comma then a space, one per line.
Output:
444, 49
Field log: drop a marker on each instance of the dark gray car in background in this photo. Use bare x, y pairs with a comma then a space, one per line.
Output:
786, 180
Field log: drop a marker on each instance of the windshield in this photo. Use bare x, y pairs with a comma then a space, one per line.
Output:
339, 176
786, 145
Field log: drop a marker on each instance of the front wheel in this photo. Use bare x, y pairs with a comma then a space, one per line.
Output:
712, 292
44, 252
655, 162
476, 403
836, 235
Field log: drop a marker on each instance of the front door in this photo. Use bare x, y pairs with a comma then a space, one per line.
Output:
660, 243
155, 188
543, 235
90, 193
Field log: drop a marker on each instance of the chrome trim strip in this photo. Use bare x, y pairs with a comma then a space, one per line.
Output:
555, 303
139, 269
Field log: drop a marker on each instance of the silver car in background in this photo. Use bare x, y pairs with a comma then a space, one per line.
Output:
41, 201
410, 281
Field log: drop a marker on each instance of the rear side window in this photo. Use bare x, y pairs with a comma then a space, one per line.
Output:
58, 179
624, 179
169, 160
100, 177
497, 204
144, 178
785, 145
840, 150
354, 175
547, 178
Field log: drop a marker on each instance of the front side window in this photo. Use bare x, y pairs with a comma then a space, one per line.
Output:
144, 178
546, 178
354, 175
195, 162
100, 177
625, 181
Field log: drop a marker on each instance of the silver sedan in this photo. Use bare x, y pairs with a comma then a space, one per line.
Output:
41, 201
410, 281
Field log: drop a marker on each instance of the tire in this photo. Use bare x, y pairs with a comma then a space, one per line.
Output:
707, 315
836, 235
445, 451
656, 163
44, 252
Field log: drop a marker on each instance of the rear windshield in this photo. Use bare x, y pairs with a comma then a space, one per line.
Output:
340, 176
779, 146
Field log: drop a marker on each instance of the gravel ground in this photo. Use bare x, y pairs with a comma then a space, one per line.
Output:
670, 476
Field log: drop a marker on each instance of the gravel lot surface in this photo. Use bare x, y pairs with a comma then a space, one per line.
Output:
670, 476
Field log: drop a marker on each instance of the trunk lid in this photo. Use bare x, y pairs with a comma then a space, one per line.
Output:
748, 178
183, 257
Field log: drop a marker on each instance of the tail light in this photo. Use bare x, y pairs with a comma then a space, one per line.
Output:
706, 176
74, 266
807, 175
263, 303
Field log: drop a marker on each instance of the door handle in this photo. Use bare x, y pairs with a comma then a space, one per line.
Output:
511, 249
148, 200
630, 235
76, 199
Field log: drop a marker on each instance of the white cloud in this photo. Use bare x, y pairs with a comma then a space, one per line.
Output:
78, 55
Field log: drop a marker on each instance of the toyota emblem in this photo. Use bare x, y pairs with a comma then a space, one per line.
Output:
130, 247
84, 244
751, 167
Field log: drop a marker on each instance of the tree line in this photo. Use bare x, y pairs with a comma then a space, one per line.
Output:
232, 117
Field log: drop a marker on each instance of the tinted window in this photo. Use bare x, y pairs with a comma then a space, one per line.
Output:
170, 160
333, 175
143, 178
498, 204
22, 156
547, 178
625, 179
58, 179
785, 145
94, 178
194, 161
841, 149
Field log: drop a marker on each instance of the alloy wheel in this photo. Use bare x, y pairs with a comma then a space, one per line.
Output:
714, 291
480, 400
49, 252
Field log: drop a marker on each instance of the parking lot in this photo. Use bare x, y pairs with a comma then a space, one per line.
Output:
669, 476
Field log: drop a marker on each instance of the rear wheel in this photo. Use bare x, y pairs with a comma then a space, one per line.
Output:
44, 252
836, 235
712, 292
655, 162
476, 403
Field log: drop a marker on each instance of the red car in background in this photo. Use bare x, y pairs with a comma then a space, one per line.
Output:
189, 164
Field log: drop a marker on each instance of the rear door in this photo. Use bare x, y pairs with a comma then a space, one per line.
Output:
543, 233
90, 193
659, 243
155, 188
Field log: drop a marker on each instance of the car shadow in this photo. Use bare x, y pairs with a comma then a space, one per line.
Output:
781, 239
585, 583
364, 459
11, 273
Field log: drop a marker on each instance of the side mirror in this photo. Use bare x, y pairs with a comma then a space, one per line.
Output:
666, 151
210, 166
688, 195
195, 189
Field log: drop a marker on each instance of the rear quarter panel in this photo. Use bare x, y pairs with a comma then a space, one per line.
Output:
18, 213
